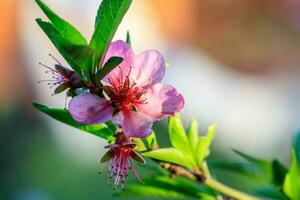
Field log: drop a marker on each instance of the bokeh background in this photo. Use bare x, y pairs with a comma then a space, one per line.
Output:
235, 61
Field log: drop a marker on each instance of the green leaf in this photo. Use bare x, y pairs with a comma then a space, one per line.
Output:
69, 51
178, 136
272, 173
65, 29
140, 146
245, 169
151, 141
112, 63
163, 186
170, 155
193, 134
291, 185
105, 131
203, 145
279, 172
263, 165
271, 192
128, 39
296, 145
109, 16
82, 55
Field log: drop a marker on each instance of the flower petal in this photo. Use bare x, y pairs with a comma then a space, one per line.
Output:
90, 109
162, 101
148, 68
121, 49
134, 124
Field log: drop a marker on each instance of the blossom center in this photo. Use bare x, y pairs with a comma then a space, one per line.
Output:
125, 93
120, 155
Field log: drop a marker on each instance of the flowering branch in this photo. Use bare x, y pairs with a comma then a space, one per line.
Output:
117, 95
206, 179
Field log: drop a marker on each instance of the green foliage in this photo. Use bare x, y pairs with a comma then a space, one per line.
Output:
140, 146
128, 39
279, 172
65, 29
151, 141
193, 134
108, 67
296, 145
82, 55
270, 192
268, 176
109, 16
73, 46
178, 135
63, 46
203, 145
263, 165
163, 186
273, 171
170, 155
189, 150
68, 41
105, 131
291, 184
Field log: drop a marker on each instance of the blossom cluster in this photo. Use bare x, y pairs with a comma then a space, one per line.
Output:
131, 96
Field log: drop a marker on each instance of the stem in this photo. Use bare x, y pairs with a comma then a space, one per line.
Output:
206, 179
210, 182
206, 170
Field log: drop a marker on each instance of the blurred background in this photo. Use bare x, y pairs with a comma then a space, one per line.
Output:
235, 61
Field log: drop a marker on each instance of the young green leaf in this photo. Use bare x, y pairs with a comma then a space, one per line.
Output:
109, 16
112, 63
105, 131
203, 145
291, 186
65, 29
170, 155
128, 39
178, 136
69, 51
151, 141
140, 146
193, 134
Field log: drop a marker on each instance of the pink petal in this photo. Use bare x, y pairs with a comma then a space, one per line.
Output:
134, 124
121, 49
149, 68
90, 109
162, 101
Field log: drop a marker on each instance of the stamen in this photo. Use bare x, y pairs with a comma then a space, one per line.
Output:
51, 70
54, 58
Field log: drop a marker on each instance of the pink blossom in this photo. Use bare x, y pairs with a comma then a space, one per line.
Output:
62, 77
120, 157
134, 90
